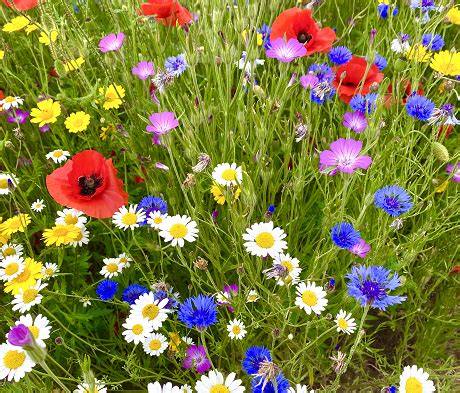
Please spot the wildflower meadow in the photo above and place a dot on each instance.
(228, 196)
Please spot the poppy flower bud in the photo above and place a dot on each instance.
(400, 65)
(440, 152)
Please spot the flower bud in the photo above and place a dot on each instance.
(440, 152)
(20, 336)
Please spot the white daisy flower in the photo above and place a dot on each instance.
(178, 228)
(414, 379)
(85, 388)
(236, 329)
(14, 362)
(11, 102)
(398, 46)
(86, 301)
(39, 328)
(25, 299)
(11, 267)
(9, 249)
(252, 296)
(187, 340)
(215, 382)
(83, 237)
(153, 310)
(186, 389)
(128, 218)
(155, 219)
(58, 156)
(49, 269)
(264, 239)
(7, 183)
(111, 267)
(124, 260)
(38, 205)
(136, 329)
(227, 174)
(155, 344)
(345, 323)
(70, 217)
(166, 388)
(300, 389)
(310, 298)
(222, 298)
(291, 266)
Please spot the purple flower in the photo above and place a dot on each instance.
(286, 51)
(309, 81)
(197, 358)
(162, 123)
(355, 121)
(143, 70)
(456, 176)
(229, 292)
(20, 336)
(111, 42)
(360, 249)
(344, 156)
(176, 65)
(17, 116)
(44, 128)
(161, 166)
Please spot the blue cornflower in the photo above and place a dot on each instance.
(152, 204)
(419, 107)
(425, 5)
(271, 209)
(392, 389)
(340, 55)
(433, 42)
(107, 289)
(261, 385)
(344, 235)
(382, 10)
(176, 65)
(322, 92)
(380, 62)
(170, 295)
(323, 72)
(198, 311)
(369, 285)
(393, 199)
(265, 31)
(132, 292)
(253, 357)
(365, 103)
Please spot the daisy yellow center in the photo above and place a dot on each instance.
(77, 122)
(35, 331)
(137, 329)
(236, 329)
(150, 311)
(219, 388)
(14, 359)
(58, 153)
(252, 297)
(47, 114)
(309, 298)
(9, 251)
(29, 295)
(79, 237)
(112, 267)
(265, 240)
(342, 323)
(10, 99)
(70, 220)
(61, 232)
(155, 345)
(157, 220)
(3, 183)
(413, 385)
(38, 205)
(288, 265)
(11, 269)
(178, 231)
(49, 271)
(123, 260)
(23, 277)
(95, 390)
(129, 219)
(229, 174)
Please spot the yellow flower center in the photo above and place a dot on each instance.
(70, 220)
(3, 183)
(47, 114)
(15, 223)
(110, 96)
(95, 390)
(150, 311)
(12, 268)
(137, 329)
(219, 388)
(9, 251)
(58, 232)
(123, 260)
(158, 220)
(57, 153)
(35, 331)
(29, 295)
(287, 265)
(49, 271)
(112, 267)
(14, 359)
(309, 298)
(79, 237)
(155, 345)
(229, 174)
(413, 385)
(77, 122)
(10, 99)
(178, 231)
(129, 219)
(23, 277)
(236, 329)
(265, 240)
(342, 323)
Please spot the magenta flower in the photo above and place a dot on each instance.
(344, 157)
(360, 249)
(197, 358)
(456, 176)
(161, 166)
(309, 81)
(17, 116)
(355, 121)
(162, 123)
(111, 42)
(20, 335)
(286, 51)
(143, 70)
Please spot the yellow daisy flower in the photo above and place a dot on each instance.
(244, 33)
(47, 112)
(15, 224)
(453, 16)
(32, 27)
(16, 24)
(107, 131)
(112, 96)
(418, 53)
(219, 197)
(446, 63)
(61, 234)
(77, 122)
(2, 54)
(32, 272)
(73, 65)
(48, 38)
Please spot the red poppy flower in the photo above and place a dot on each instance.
(21, 5)
(167, 12)
(357, 80)
(88, 183)
(297, 23)
(2, 96)
(388, 100)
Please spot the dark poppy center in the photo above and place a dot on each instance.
(89, 184)
(304, 37)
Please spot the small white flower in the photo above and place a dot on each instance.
(414, 379)
(7, 183)
(11, 267)
(300, 389)
(310, 298)
(264, 239)
(154, 311)
(227, 174)
(155, 219)
(136, 329)
(236, 329)
(58, 156)
(9, 249)
(398, 46)
(11, 102)
(38, 205)
(187, 340)
(155, 344)
(83, 237)
(166, 388)
(252, 296)
(14, 362)
(86, 301)
(85, 387)
(345, 323)
(291, 265)
(27, 298)
(128, 218)
(70, 217)
(216, 382)
(111, 267)
(49, 269)
(124, 260)
(178, 228)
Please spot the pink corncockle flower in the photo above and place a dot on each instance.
(197, 358)
(344, 157)
(360, 249)
(456, 170)
(143, 70)
(309, 81)
(111, 42)
(162, 123)
(286, 51)
(355, 121)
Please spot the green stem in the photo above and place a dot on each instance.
(54, 376)
(203, 342)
